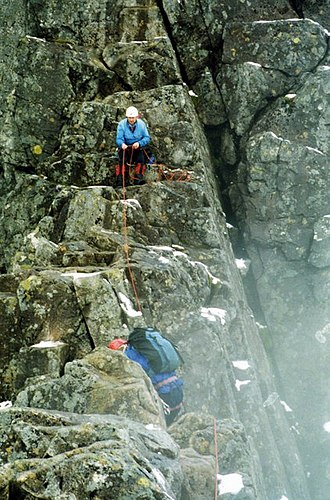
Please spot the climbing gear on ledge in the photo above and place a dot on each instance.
(139, 173)
(173, 174)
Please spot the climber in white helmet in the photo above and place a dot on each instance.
(132, 136)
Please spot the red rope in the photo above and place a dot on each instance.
(126, 247)
(216, 460)
(184, 176)
(125, 231)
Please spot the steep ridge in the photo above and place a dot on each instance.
(68, 76)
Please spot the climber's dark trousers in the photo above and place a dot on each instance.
(132, 156)
(174, 399)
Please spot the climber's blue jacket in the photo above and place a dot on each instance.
(163, 382)
(128, 135)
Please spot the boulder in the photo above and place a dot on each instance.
(103, 382)
(203, 439)
(51, 454)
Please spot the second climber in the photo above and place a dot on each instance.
(132, 136)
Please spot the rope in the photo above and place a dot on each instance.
(125, 234)
(146, 153)
(216, 459)
(168, 173)
(125, 230)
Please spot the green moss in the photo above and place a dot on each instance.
(144, 482)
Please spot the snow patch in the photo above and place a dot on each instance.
(326, 427)
(295, 429)
(286, 406)
(315, 150)
(230, 483)
(127, 306)
(99, 478)
(283, 497)
(272, 398)
(35, 38)
(5, 404)
(213, 313)
(178, 247)
(152, 427)
(320, 337)
(159, 477)
(192, 93)
(132, 203)
(78, 276)
(167, 249)
(178, 253)
(239, 383)
(213, 279)
(240, 264)
(256, 65)
(163, 260)
(47, 343)
(241, 365)
(134, 42)
(161, 481)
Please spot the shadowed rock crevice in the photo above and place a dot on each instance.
(227, 242)
(169, 31)
(298, 5)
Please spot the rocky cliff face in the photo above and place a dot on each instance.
(225, 248)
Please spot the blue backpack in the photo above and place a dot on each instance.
(162, 354)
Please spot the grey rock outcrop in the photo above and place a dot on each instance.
(103, 380)
(54, 455)
(203, 436)
(285, 179)
(276, 92)
(236, 98)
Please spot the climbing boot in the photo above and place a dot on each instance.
(138, 174)
(138, 180)
(119, 181)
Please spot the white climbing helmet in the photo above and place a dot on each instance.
(132, 112)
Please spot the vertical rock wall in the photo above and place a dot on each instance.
(195, 72)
